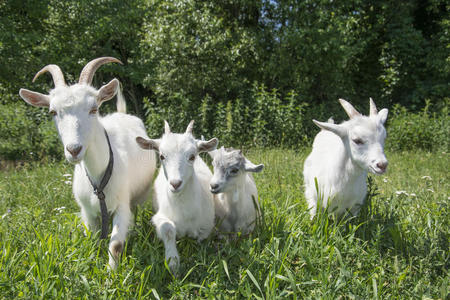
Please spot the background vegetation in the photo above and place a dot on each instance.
(251, 72)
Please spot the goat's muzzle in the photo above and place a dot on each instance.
(74, 149)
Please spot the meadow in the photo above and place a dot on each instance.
(397, 248)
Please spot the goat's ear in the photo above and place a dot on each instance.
(206, 146)
(148, 144)
(108, 91)
(34, 98)
(251, 167)
(335, 128)
(349, 109)
(382, 115)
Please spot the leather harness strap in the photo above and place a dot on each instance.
(98, 190)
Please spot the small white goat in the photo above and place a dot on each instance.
(342, 155)
(184, 205)
(235, 188)
(83, 134)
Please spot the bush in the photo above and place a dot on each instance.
(27, 134)
(422, 130)
(262, 119)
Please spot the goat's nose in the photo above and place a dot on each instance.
(382, 165)
(214, 186)
(176, 183)
(74, 149)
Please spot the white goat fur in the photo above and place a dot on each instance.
(236, 211)
(184, 205)
(340, 159)
(79, 125)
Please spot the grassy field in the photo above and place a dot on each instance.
(399, 247)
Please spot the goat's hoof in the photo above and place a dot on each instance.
(115, 249)
(174, 264)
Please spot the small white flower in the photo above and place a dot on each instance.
(385, 179)
(7, 213)
(398, 193)
(426, 177)
(68, 182)
(59, 209)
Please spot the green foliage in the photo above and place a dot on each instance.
(196, 48)
(263, 120)
(398, 249)
(27, 135)
(252, 72)
(423, 130)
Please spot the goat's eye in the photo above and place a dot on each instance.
(93, 111)
(162, 157)
(53, 113)
(192, 157)
(234, 171)
(358, 141)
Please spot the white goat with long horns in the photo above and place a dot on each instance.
(92, 142)
(341, 157)
(184, 205)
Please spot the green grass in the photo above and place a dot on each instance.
(399, 248)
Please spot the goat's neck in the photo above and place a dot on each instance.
(237, 192)
(96, 159)
(351, 170)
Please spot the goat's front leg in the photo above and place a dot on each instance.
(121, 223)
(167, 232)
(90, 220)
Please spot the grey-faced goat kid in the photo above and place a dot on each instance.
(236, 201)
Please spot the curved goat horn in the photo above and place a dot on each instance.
(89, 70)
(57, 75)
(349, 109)
(166, 127)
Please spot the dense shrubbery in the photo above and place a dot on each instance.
(251, 72)
(423, 130)
(270, 121)
(267, 120)
(27, 134)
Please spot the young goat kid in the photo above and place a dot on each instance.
(341, 157)
(89, 139)
(236, 202)
(184, 205)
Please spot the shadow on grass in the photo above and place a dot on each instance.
(378, 224)
(216, 259)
